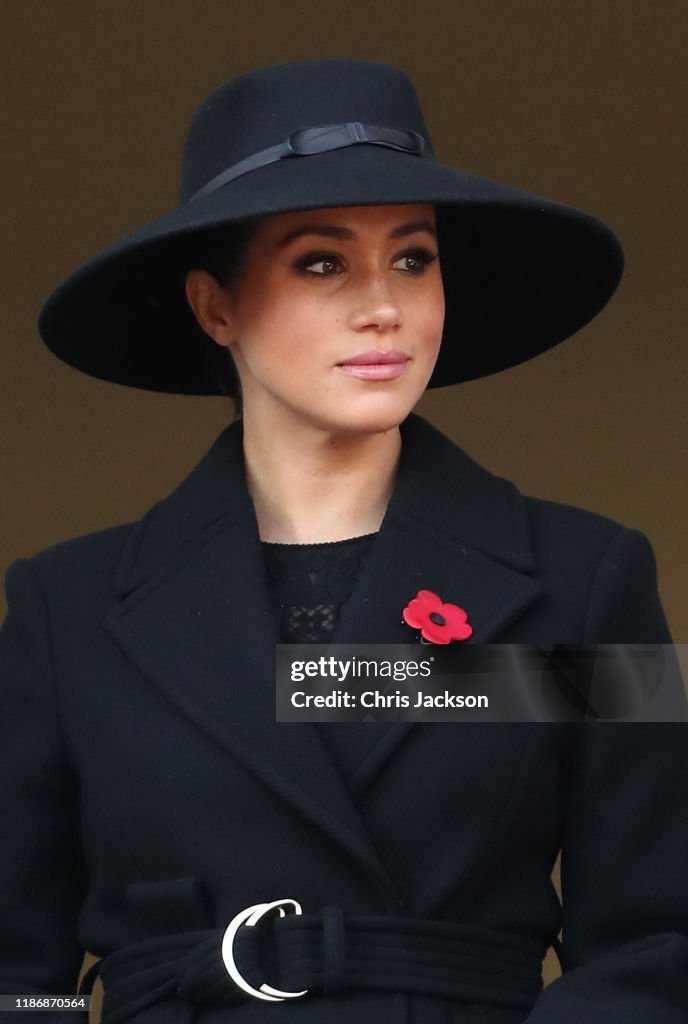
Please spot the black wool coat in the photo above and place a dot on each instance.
(148, 794)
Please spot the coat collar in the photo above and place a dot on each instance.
(194, 612)
(439, 487)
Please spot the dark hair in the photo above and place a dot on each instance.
(221, 251)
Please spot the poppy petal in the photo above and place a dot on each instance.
(436, 634)
(462, 632)
(430, 601)
(454, 615)
(414, 614)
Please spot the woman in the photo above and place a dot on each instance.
(325, 264)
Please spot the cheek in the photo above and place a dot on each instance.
(432, 315)
(281, 336)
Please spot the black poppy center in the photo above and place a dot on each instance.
(438, 619)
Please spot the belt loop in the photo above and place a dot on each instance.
(334, 950)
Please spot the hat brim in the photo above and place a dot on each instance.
(521, 272)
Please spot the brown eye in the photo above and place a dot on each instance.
(415, 262)
(324, 265)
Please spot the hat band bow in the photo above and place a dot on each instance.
(320, 139)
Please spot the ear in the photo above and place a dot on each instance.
(211, 305)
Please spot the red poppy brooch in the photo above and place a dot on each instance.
(439, 623)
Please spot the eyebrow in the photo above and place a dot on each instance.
(346, 233)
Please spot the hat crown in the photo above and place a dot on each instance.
(262, 107)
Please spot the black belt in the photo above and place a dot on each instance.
(326, 953)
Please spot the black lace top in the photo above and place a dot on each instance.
(308, 585)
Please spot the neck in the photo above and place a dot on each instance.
(311, 486)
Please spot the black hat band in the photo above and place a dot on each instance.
(320, 139)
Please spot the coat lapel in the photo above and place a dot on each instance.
(194, 613)
(453, 528)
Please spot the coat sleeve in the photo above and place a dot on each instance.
(625, 839)
(42, 872)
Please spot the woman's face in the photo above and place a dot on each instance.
(337, 318)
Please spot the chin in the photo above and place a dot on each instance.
(372, 417)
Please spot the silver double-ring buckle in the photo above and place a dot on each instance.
(250, 916)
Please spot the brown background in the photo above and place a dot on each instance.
(579, 100)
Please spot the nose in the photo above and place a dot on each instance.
(376, 308)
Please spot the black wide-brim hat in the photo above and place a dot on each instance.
(521, 273)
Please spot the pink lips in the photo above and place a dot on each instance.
(375, 365)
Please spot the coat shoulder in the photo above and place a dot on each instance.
(82, 564)
(577, 543)
(104, 544)
(486, 504)
(609, 568)
(563, 522)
